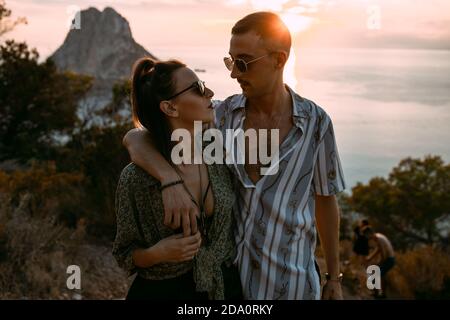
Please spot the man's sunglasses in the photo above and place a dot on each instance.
(240, 64)
(199, 85)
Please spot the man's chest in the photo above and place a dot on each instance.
(268, 136)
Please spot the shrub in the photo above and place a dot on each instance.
(52, 194)
(421, 273)
(37, 251)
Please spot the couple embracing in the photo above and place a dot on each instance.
(202, 230)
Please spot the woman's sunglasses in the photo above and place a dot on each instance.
(240, 64)
(199, 85)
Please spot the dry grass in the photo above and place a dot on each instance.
(36, 248)
(36, 254)
(422, 273)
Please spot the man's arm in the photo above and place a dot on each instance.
(373, 254)
(327, 218)
(179, 210)
(142, 150)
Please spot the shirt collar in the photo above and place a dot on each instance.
(301, 110)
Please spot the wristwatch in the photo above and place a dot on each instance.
(339, 278)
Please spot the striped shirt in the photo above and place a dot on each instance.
(275, 232)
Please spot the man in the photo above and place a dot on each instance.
(276, 214)
(382, 255)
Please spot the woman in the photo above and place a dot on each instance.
(360, 242)
(167, 96)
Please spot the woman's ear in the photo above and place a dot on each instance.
(168, 109)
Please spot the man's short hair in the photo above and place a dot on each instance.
(269, 26)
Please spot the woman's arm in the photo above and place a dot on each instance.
(128, 237)
(175, 248)
(129, 247)
(143, 152)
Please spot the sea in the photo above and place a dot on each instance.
(386, 104)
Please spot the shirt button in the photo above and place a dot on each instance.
(332, 175)
(255, 264)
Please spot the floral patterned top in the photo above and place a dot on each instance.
(139, 210)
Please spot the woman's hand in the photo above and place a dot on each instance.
(177, 248)
(179, 210)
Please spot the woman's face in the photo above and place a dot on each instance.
(191, 105)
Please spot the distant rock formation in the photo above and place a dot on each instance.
(103, 47)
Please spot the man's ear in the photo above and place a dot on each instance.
(281, 58)
(168, 108)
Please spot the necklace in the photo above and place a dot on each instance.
(201, 206)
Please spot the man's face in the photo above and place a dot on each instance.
(260, 74)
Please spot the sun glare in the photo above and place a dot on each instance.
(292, 16)
(296, 24)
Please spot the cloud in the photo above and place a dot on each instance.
(404, 23)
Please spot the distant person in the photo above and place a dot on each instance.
(383, 252)
(361, 248)
(360, 241)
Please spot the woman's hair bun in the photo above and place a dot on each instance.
(148, 64)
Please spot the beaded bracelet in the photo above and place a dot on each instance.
(170, 184)
(339, 278)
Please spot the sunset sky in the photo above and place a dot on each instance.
(315, 23)
(378, 99)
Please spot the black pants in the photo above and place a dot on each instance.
(232, 283)
(386, 265)
(182, 287)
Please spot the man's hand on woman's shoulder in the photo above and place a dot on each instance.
(179, 210)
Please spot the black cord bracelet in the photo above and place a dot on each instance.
(170, 184)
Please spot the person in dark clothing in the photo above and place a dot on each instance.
(360, 242)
